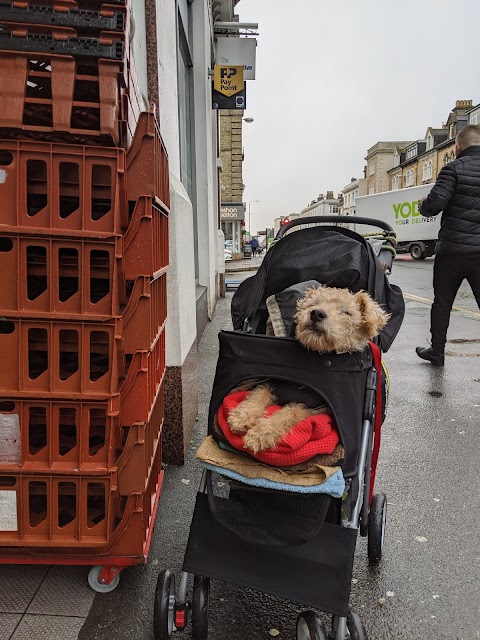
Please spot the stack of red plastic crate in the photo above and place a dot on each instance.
(84, 200)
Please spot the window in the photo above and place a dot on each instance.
(395, 183)
(445, 159)
(354, 194)
(396, 159)
(186, 113)
(371, 168)
(371, 188)
(411, 152)
(474, 118)
(409, 178)
(185, 107)
(334, 208)
(429, 142)
(427, 171)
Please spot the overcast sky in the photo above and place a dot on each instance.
(336, 76)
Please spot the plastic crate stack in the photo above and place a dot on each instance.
(84, 202)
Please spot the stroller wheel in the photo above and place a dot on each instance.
(310, 627)
(377, 521)
(355, 627)
(164, 608)
(200, 596)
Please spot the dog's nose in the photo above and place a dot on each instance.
(317, 314)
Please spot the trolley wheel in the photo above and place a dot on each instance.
(310, 627)
(99, 586)
(164, 608)
(355, 627)
(377, 522)
(200, 596)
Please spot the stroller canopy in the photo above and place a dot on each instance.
(334, 256)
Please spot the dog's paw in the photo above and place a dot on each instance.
(236, 421)
(246, 414)
(260, 438)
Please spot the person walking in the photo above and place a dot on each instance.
(254, 245)
(457, 193)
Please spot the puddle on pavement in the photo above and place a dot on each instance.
(435, 394)
(464, 341)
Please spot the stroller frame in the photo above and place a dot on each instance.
(170, 610)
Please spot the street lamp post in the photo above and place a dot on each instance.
(250, 218)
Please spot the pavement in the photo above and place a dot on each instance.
(246, 264)
(427, 585)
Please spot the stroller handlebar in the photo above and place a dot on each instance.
(316, 219)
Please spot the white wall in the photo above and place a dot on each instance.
(205, 153)
(181, 320)
(168, 90)
(139, 45)
(181, 323)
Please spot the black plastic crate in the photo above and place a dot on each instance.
(87, 47)
(85, 19)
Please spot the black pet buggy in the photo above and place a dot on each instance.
(296, 546)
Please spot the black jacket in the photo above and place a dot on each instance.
(457, 193)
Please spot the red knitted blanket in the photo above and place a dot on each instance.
(308, 438)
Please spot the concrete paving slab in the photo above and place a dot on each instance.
(48, 628)
(65, 591)
(19, 585)
(8, 624)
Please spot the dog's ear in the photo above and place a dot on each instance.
(373, 316)
(309, 293)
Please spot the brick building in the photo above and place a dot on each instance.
(421, 161)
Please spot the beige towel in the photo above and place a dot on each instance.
(211, 453)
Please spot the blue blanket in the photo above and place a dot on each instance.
(334, 486)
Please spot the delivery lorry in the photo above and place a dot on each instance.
(416, 234)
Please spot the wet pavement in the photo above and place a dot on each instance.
(426, 587)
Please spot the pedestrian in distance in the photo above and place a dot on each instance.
(254, 245)
(457, 254)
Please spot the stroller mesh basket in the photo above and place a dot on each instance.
(265, 516)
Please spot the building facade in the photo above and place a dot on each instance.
(421, 161)
(175, 48)
(379, 160)
(324, 205)
(357, 187)
(231, 185)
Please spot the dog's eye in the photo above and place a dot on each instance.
(347, 313)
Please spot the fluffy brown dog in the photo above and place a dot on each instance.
(262, 432)
(336, 320)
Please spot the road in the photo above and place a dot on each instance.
(427, 586)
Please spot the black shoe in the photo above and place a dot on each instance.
(438, 359)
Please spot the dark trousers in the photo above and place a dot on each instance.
(449, 272)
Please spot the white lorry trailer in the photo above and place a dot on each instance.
(415, 234)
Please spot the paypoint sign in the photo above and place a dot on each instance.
(228, 80)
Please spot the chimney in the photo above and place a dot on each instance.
(329, 195)
(352, 179)
(464, 104)
(320, 197)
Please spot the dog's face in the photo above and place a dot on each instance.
(336, 320)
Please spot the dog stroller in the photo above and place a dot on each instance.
(292, 545)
